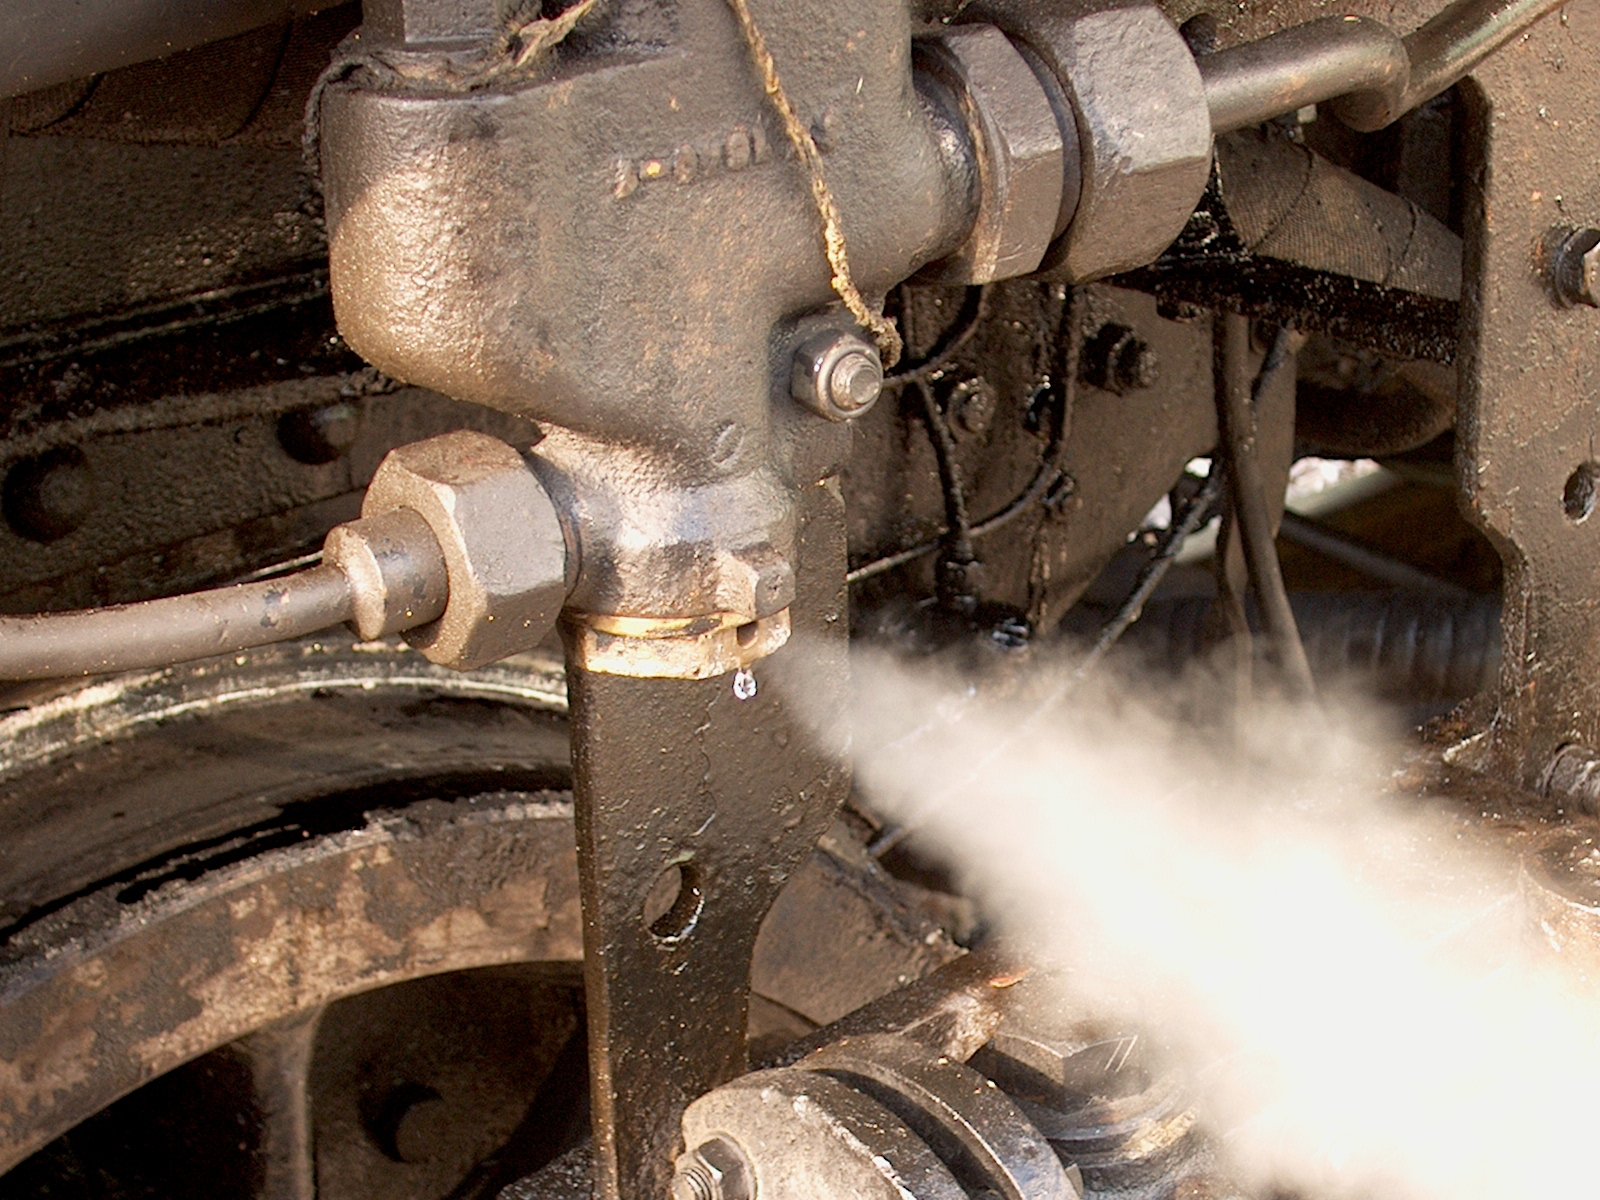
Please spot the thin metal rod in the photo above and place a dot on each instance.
(1190, 518)
(1375, 75)
(157, 633)
(1236, 412)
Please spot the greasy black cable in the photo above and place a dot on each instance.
(956, 543)
(1199, 509)
(1064, 386)
(1236, 413)
(974, 305)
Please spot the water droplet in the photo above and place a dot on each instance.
(744, 684)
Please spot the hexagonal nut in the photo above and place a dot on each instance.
(754, 582)
(1021, 152)
(1144, 129)
(838, 376)
(714, 1170)
(504, 549)
(1056, 1057)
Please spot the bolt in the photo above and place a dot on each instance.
(1119, 361)
(1012, 632)
(50, 495)
(838, 376)
(1577, 268)
(714, 1170)
(315, 436)
(693, 1182)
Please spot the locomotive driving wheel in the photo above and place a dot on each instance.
(306, 922)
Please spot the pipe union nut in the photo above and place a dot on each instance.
(504, 550)
(1021, 153)
(1144, 129)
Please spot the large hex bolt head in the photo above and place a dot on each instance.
(838, 376)
(1021, 152)
(1144, 128)
(504, 550)
(1577, 268)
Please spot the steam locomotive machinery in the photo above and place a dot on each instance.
(769, 321)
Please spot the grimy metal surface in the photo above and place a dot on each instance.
(383, 811)
(520, 262)
(409, 895)
(501, 240)
(721, 796)
(48, 45)
(1528, 424)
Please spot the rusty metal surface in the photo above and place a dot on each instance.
(192, 929)
(1530, 368)
(428, 891)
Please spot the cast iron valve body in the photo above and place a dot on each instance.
(617, 240)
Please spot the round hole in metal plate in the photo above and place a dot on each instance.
(673, 906)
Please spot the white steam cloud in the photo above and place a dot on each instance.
(1345, 973)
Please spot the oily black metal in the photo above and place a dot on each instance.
(695, 801)
(1057, 471)
(1288, 237)
(183, 445)
(1529, 365)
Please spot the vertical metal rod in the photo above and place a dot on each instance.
(693, 806)
(279, 1059)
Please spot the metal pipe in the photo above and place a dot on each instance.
(48, 42)
(1308, 64)
(156, 633)
(1442, 53)
(1375, 75)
